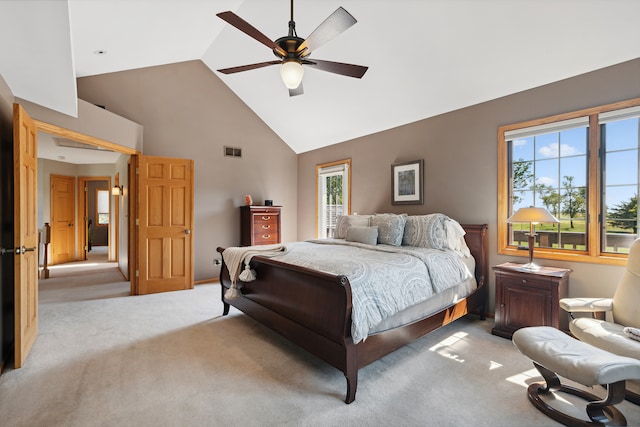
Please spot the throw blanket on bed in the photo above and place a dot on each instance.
(384, 279)
(235, 256)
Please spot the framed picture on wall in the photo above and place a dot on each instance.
(407, 183)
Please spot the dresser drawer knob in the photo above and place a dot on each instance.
(524, 281)
(266, 236)
(266, 218)
(266, 227)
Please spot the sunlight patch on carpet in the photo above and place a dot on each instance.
(444, 348)
(524, 378)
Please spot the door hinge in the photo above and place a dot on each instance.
(137, 170)
(86, 248)
(137, 221)
(137, 273)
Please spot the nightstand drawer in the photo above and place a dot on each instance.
(515, 279)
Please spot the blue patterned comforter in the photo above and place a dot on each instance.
(384, 279)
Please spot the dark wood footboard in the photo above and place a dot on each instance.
(313, 310)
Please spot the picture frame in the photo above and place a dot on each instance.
(407, 181)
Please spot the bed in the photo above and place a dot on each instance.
(314, 309)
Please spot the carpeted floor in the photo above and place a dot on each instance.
(104, 358)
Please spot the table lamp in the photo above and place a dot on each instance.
(532, 216)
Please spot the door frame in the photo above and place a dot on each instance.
(91, 140)
(83, 212)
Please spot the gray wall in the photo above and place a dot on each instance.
(188, 112)
(460, 154)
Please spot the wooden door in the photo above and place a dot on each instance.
(165, 224)
(26, 233)
(116, 221)
(63, 225)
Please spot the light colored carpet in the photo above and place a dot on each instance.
(104, 358)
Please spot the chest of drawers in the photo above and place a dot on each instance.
(259, 225)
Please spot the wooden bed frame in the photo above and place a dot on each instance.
(313, 309)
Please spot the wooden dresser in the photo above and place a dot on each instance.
(259, 225)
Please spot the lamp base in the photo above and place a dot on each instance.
(531, 266)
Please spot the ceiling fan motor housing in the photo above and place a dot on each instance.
(290, 45)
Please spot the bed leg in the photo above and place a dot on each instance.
(225, 305)
(352, 385)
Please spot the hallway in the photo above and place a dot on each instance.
(95, 278)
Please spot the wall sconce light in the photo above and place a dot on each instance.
(117, 190)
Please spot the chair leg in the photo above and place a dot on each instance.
(600, 411)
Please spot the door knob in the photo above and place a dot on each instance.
(187, 231)
(17, 251)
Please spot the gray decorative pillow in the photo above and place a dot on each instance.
(390, 228)
(426, 231)
(367, 235)
(343, 222)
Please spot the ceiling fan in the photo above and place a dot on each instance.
(294, 51)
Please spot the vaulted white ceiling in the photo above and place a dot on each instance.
(425, 57)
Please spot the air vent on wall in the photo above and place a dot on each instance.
(232, 152)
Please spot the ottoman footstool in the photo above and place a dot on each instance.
(555, 353)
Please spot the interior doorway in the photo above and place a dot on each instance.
(103, 162)
(94, 209)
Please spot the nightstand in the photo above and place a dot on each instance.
(529, 298)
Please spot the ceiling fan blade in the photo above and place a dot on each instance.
(335, 24)
(297, 91)
(248, 67)
(349, 70)
(250, 30)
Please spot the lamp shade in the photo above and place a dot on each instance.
(291, 72)
(532, 215)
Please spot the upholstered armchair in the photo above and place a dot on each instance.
(610, 334)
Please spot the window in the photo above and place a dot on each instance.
(333, 195)
(102, 206)
(582, 167)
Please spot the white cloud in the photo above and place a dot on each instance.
(553, 150)
(545, 180)
(519, 142)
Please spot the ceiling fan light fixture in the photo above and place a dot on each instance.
(291, 72)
